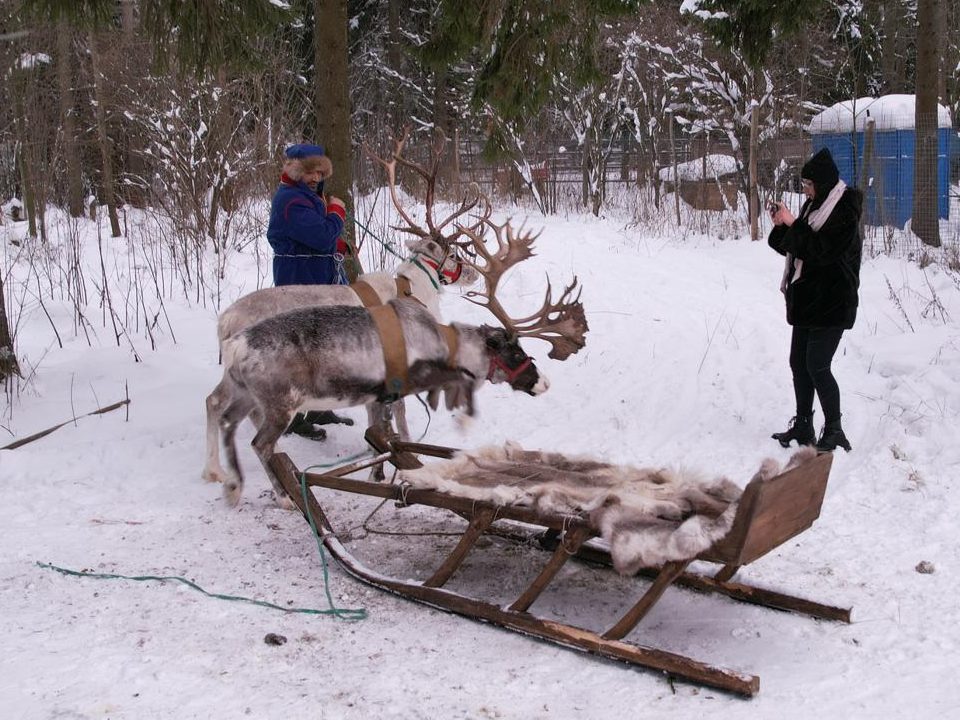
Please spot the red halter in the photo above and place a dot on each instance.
(496, 362)
(445, 276)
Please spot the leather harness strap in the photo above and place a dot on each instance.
(405, 290)
(368, 296)
(394, 349)
(450, 335)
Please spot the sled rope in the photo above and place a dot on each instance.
(218, 596)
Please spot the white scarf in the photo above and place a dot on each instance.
(815, 220)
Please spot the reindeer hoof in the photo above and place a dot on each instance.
(285, 503)
(232, 490)
(212, 476)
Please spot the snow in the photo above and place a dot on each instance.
(686, 362)
(717, 166)
(890, 112)
(31, 60)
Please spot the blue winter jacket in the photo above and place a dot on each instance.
(304, 234)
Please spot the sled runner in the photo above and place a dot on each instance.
(770, 511)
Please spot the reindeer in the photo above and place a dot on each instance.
(324, 358)
(434, 261)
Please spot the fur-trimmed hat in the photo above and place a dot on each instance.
(306, 157)
(822, 170)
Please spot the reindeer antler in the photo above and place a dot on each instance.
(434, 230)
(562, 323)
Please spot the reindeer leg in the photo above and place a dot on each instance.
(212, 470)
(399, 409)
(264, 443)
(379, 416)
(229, 420)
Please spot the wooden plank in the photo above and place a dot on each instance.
(383, 441)
(766, 598)
(412, 496)
(358, 465)
(422, 449)
(773, 511)
(668, 573)
(785, 506)
(478, 523)
(726, 572)
(566, 549)
(737, 591)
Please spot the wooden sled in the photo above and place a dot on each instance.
(770, 513)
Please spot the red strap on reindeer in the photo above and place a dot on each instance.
(496, 362)
(445, 276)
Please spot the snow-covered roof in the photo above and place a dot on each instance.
(717, 166)
(890, 112)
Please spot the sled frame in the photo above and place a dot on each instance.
(770, 513)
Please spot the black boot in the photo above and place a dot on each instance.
(327, 417)
(300, 426)
(832, 437)
(800, 429)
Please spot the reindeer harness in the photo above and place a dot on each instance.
(368, 296)
(395, 350)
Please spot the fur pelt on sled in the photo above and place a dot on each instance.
(648, 516)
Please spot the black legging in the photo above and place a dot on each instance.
(811, 352)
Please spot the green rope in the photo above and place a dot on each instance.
(163, 578)
(333, 610)
(345, 614)
(387, 246)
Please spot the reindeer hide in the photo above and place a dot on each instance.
(648, 516)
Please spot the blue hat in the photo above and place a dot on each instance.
(303, 150)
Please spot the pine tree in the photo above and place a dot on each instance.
(520, 47)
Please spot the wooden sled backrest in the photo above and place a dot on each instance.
(773, 511)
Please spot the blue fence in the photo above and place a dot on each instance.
(888, 191)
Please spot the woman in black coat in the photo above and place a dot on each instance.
(820, 282)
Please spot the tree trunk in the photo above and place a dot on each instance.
(71, 152)
(394, 62)
(754, 151)
(109, 189)
(625, 155)
(676, 175)
(891, 57)
(134, 72)
(943, 49)
(441, 121)
(332, 98)
(8, 360)
(27, 186)
(926, 224)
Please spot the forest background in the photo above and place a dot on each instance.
(181, 110)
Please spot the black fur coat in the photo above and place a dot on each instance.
(826, 293)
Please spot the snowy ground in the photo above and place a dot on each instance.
(686, 362)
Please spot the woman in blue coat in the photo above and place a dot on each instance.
(305, 228)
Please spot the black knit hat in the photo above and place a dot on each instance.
(822, 170)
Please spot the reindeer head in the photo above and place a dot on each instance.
(561, 323)
(510, 364)
(447, 262)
